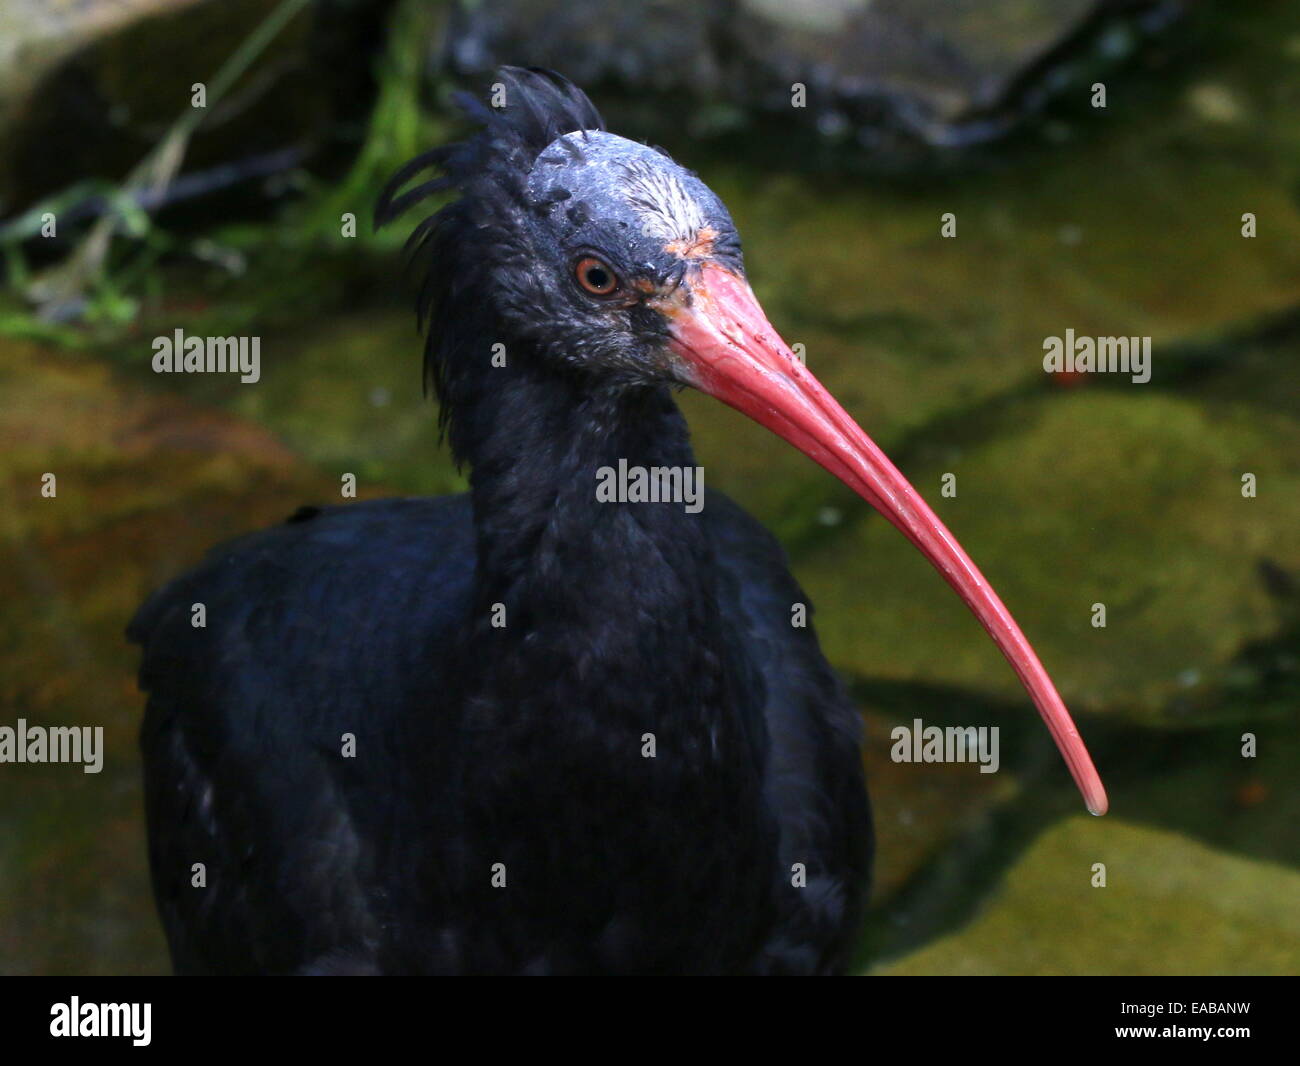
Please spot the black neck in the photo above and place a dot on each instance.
(535, 464)
(617, 602)
(606, 588)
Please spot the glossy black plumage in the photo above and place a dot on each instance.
(520, 745)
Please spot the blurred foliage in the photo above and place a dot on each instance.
(119, 259)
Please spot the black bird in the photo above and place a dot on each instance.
(533, 729)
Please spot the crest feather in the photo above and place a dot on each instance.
(456, 244)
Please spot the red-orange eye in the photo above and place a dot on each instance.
(595, 276)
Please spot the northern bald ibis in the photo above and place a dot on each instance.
(537, 729)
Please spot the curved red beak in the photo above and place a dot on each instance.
(730, 351)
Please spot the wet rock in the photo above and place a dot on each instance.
(881, 72)
(1170, 906)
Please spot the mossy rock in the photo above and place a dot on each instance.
(1170, 906)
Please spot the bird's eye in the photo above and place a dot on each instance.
(596, 276)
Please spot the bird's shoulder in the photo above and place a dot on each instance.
(278, 719)
(324, 571)
(337, 620)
